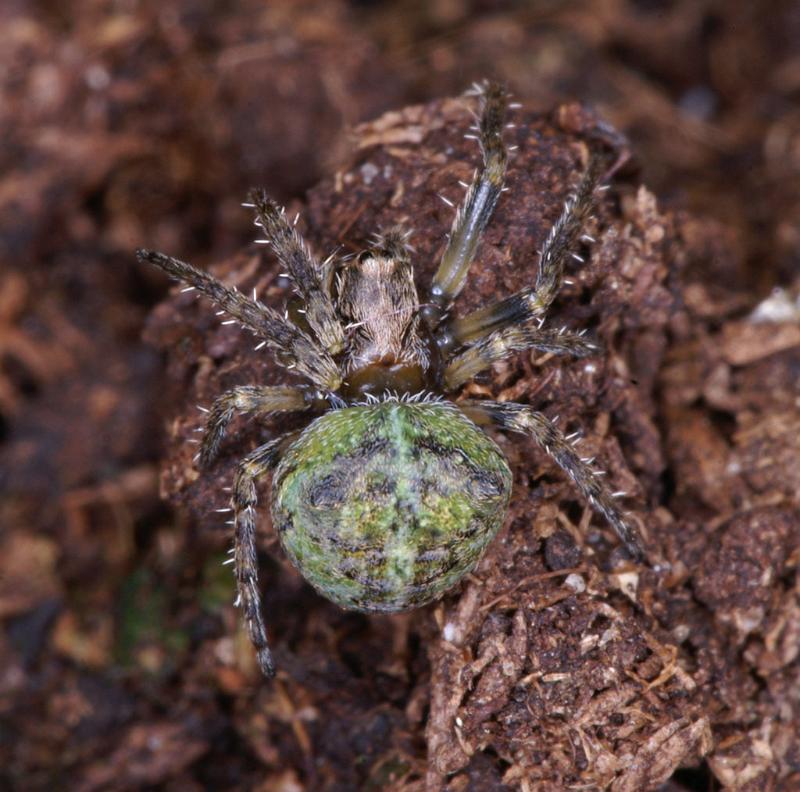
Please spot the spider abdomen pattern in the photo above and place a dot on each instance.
(383, 507)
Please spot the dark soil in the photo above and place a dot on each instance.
(558, 664)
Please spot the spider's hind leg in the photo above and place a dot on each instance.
(243, 501)
(524, 419)
(247, 399)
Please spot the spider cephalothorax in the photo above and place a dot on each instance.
(391, 492)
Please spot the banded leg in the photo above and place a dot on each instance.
(243, 501)
(246, 399)
(474, 213)
(501, 343)
(531, 303)
(310, 277)
(297, 350)
(524, 419)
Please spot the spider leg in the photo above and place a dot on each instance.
(246, 399)
(474, 213)
(524, 419)
(311, 278)
(514, 338)
(531, 303)
(296, 349)
(260, 461)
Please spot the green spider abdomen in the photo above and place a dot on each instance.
(383, 507)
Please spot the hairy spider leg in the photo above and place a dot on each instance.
(296, 350)
(256, 464)
(311, 278)
(253, 399)
(531, 303)
(474, 213)
(525, 420)
(497, 345)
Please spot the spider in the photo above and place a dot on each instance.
(392, 491)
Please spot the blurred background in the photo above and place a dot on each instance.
(144, 123)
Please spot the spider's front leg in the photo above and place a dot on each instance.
(311, 277)
(251, 468)
(524, 419)
(475, 212)
(252, 399)
(515, 338)
(530, 304)
(296, 350)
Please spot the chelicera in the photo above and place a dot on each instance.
(392, 491)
